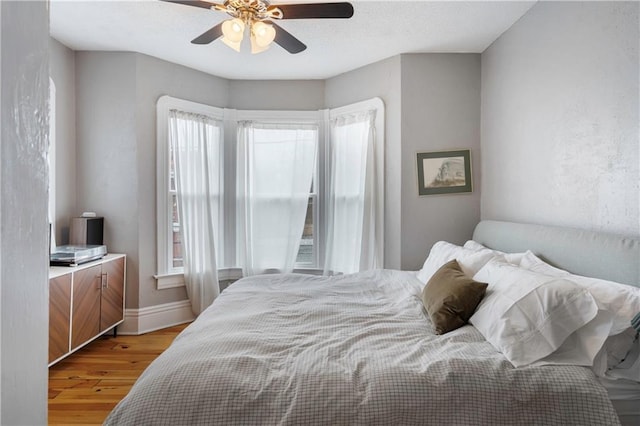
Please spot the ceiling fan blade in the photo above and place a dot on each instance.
(315, 10)
(209, 35)
(195, 3)
(286, 40)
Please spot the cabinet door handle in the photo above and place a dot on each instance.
(105, 280)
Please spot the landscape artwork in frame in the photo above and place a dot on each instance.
(444, 172)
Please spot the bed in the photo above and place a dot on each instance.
(606, 256)
(360, 349)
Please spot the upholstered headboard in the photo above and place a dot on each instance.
(593, 254)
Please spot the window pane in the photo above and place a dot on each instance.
(172, 169)
(174, 209)
(278, 163)
(176, 243)
(177, 249)
(305, 252)
(175, 234)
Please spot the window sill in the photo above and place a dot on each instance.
(169, 281)
(310, 271)
(165, 281)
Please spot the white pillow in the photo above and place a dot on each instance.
(470, 261)
(533, 263)
(620, 299)
(509, 257)
(527, 316)
(474, 245)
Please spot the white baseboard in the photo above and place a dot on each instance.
(144, 320)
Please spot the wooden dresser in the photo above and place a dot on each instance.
(84, 302)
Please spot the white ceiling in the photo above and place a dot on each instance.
(378, 30)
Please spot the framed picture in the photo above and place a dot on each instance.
(444, 172)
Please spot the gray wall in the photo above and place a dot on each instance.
(24, 131)
(440, 112)
(107, 178)
(560, 118)
(276, 94)
(62, 69)
(381, 79)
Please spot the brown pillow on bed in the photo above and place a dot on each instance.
(451, 297)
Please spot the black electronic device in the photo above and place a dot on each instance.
(86, 231)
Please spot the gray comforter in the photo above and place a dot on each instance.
(348, 350)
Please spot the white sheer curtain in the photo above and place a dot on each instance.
(196, 142)
(351, 232)
(276, 164)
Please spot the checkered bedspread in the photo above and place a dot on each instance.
(347, 350)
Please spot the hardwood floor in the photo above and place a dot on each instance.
(85, 386)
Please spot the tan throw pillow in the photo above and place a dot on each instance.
(451, 297)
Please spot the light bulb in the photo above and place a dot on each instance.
(237, 28)
(261, 36)
(233, 31)
(261, 30)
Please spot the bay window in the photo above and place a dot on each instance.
(287, 190)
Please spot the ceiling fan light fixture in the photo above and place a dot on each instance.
(262, 35)
(259, 15)
(233, 32)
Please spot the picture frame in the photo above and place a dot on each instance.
(444, 172)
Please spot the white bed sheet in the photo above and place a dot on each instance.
(347, 350)
(620, 390)
(628, 411)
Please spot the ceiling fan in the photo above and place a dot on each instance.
(258, 16)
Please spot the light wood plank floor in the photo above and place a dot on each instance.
(85, 386)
